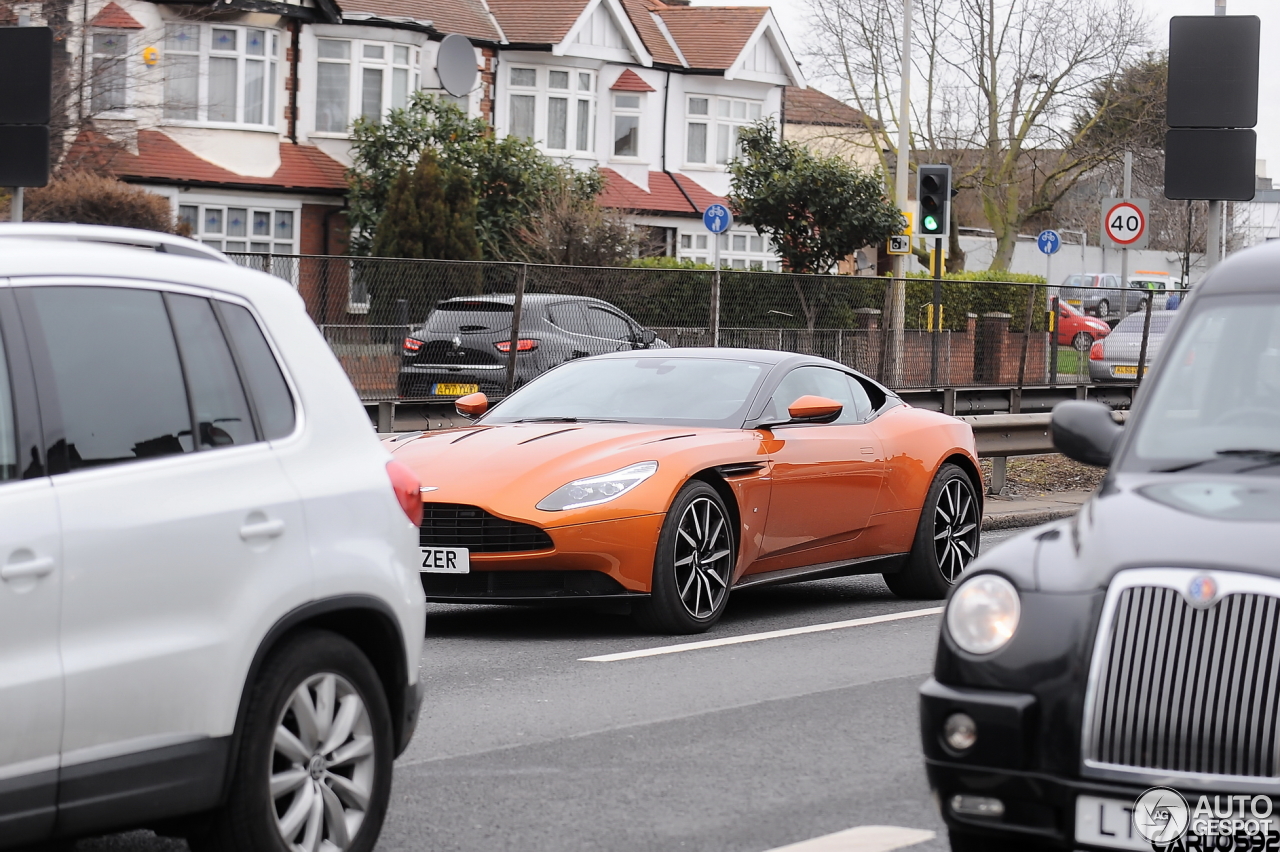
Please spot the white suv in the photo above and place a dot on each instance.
(210, 610)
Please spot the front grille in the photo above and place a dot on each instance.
(1184, 689)
(456, 525)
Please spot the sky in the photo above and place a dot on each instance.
(792, 15)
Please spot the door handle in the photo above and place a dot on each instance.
(262, 529)
(27, 569)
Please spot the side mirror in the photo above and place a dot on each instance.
(1085, 431)
(814, 409)
(472, 405)
(645, 337)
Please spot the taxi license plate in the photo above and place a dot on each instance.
(1125, 370)
(1108, 823)
(450, 389)
(445, 560)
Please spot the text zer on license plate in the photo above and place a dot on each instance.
(446, 560)
(450, 389)
(1125, 370)
(1109, 823)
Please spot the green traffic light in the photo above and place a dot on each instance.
(931, 223)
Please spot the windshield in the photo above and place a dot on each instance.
(1217, 401)
(1133, 323)
(468, 317)
(677, 391)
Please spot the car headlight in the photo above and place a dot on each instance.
(983, 614)
(595, 490)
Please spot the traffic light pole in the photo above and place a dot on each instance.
(897, 300)
(936, 314)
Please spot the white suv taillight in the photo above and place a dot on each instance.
(408, 490)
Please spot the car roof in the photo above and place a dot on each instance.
(529, 299)
(1254, 270)
(771, 357)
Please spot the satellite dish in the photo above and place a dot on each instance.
(456, 65)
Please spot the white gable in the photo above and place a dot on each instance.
(763, 58)
(599, 30)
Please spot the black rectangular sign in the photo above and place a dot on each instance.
(26, 75)
(1213, 71)
(1210, 165)
(24, 155)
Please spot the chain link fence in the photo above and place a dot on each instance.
(431, 329)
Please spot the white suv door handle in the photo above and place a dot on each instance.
(30, 568)
(262, 529)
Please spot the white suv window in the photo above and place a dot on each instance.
(262, 374)
(217, 397)
(8, 432)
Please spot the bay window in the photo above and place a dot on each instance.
(553, 106)
(626, 125)
(361, 79)
(108, 90)
(713, 125)
(222, 74)
(240, 229)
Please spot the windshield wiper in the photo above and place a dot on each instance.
(1267, 457)
(568, 420)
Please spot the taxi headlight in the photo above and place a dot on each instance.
(595, 490)
(983, 614)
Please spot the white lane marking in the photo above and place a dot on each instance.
(759, 637)
(865, 838)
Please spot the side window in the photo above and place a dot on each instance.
(607, 324)
(116, 376)
(815, 381)
(861, 400)
(568, 316)
(267, 387)
(221, 410)
(8, 429)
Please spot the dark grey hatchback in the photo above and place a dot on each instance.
(464, 345)
(1113, 681)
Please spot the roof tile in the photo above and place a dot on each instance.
(467, 17)
(640, 13)
(810, 106)
(712, 37)
(536, 21)
(114, 17)
(663, 196)
(630, 81)
(161, 158)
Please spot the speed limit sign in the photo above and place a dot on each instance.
(1124, 222)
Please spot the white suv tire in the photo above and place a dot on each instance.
(315, 759)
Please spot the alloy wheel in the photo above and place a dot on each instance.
(955, 528)
(322, 765)
(1081, 342)
(703, 557)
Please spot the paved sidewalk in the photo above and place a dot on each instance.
(1006, 513)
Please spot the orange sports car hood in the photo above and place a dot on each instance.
(508, 468)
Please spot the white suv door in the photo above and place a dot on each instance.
(30, 580)
(183, 539)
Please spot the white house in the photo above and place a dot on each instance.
(239, 113)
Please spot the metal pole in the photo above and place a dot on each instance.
(15, 206)
(715, 292)
(1146, 334)
(936, 318)
(897, 303)
(1124, 252)
(1026, 341)
(1053, 343)
(1220, 7)
(1213, 235)
(516, 307)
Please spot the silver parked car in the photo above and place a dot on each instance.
(1116, 355)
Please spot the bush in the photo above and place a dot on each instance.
(978, 292)
(90, 199)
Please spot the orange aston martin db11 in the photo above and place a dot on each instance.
(666, 478)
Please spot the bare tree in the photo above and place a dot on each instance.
(996, 88)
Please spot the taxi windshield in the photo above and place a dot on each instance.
(1217, 397)
(677, 391)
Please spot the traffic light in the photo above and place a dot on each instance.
(934, 194)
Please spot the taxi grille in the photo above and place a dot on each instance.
(1184, 689)
(458, 525)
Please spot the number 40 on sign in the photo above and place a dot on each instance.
(1124, 222)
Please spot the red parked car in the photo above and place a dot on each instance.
(1077, 330)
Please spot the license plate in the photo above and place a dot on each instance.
(1125, 370)
(1108, 823)
(1075, 302)
(445, 560)
(450, 389)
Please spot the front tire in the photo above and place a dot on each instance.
(693, 565)
(947, 538)
(313, 770)
(1082, 341)
(1104, 309)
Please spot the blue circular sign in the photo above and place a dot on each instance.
(1049, 241)
(717, 218)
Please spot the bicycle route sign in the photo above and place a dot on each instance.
(717, 218)
(1049, 241)
(1124, 222)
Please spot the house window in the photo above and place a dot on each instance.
(361, 79)
(626, 125)
(713, 125)
(738, 250)
(109, 81)
(564, 96)
(220, 74)
(241, 229)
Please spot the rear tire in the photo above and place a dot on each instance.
(947, 538)
(693, 565)
(1082, 341)
(1104, 309)
(318, 731)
